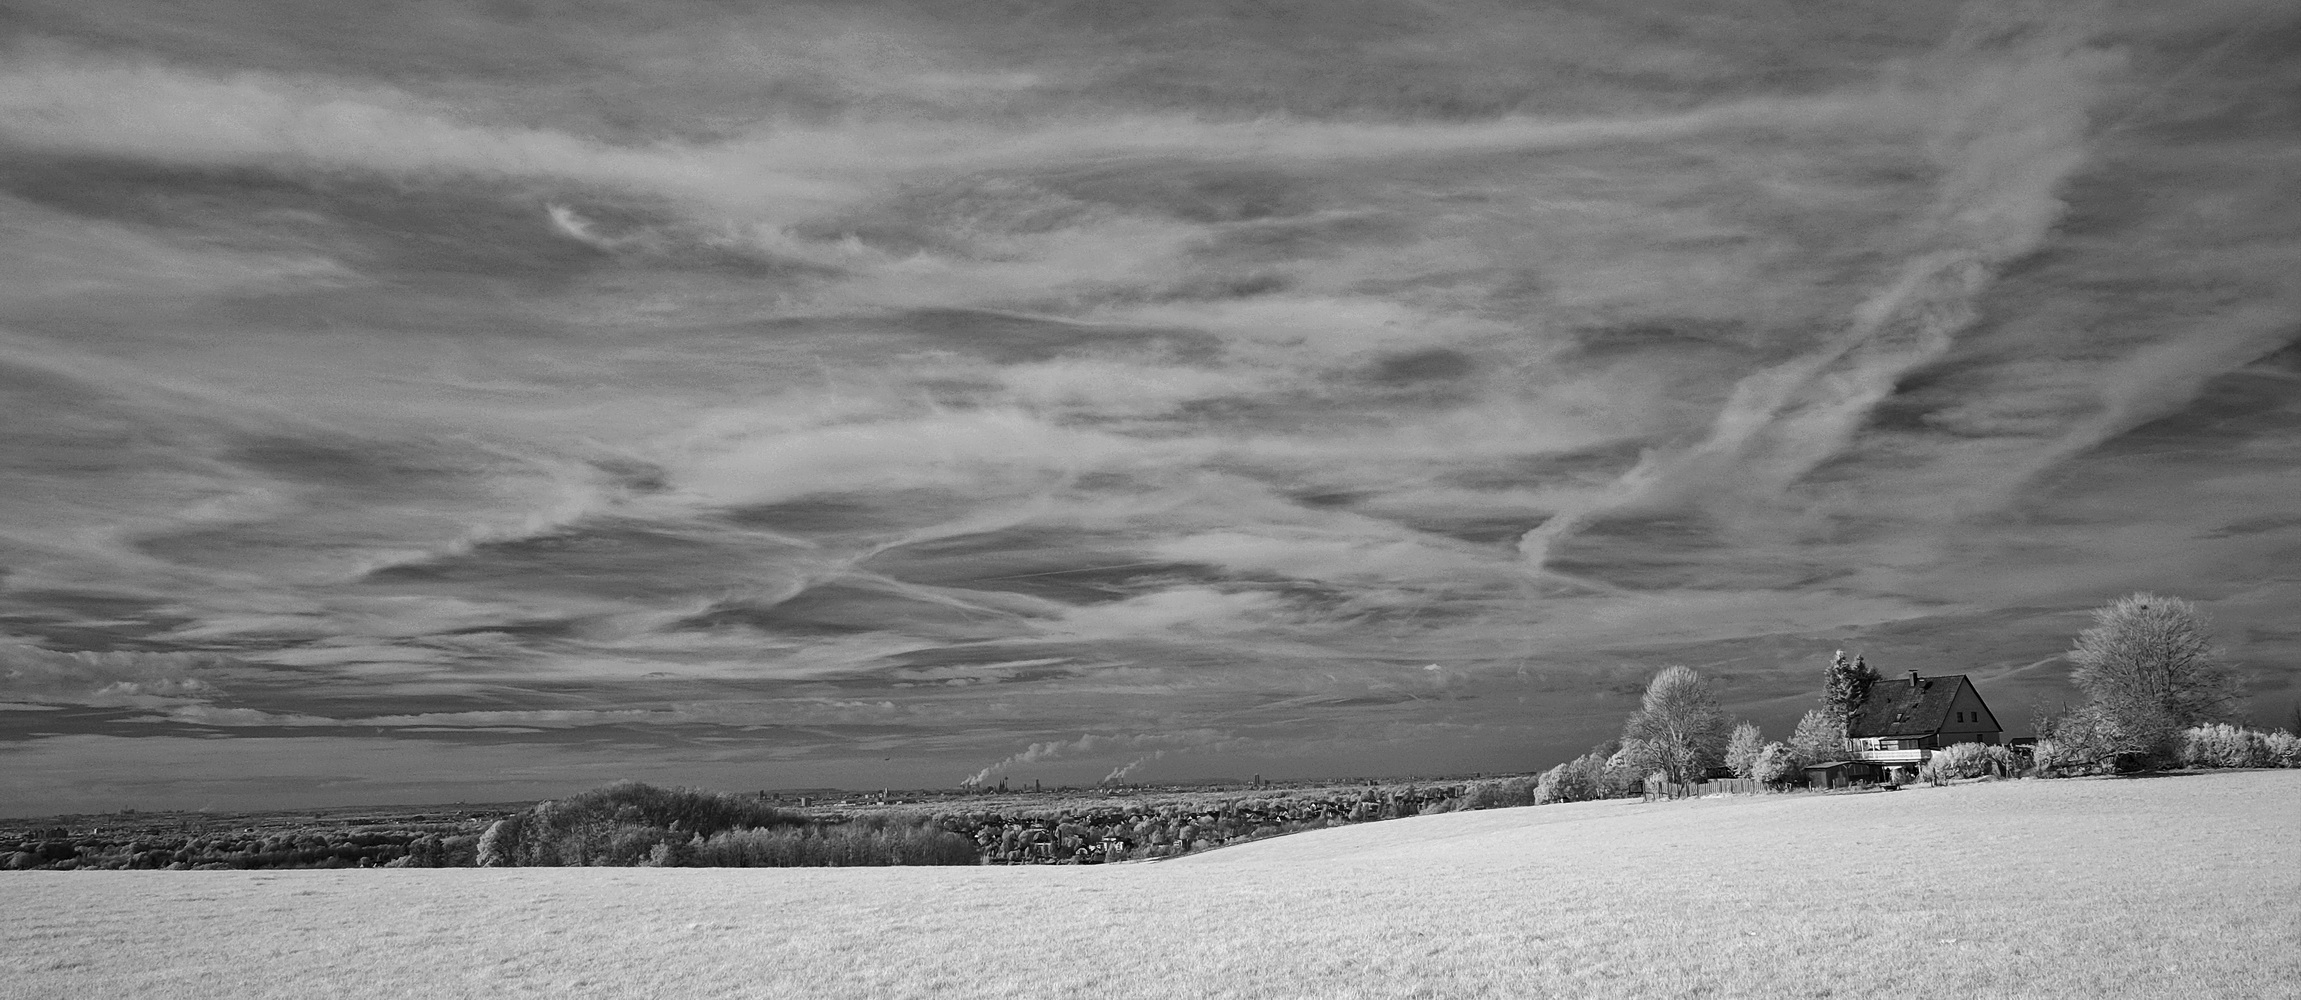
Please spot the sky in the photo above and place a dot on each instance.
(475, 401)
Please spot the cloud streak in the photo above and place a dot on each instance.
(2009, 138)
(840, 394)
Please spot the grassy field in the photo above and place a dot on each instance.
(2185, 886)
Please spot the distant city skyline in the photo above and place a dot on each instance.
(483, 401)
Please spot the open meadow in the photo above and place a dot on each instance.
(2181, 886)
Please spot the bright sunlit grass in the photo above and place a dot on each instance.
(2171, 887)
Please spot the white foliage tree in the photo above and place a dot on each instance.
(1820, 738)
(1742, 750)
(2149, 670)
(1679, 730)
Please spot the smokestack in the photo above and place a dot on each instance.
(1913, 678)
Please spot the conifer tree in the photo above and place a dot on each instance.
(1845, 685)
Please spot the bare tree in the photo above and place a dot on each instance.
(1678, 729)
(2149, 670)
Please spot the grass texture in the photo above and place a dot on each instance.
(2185, 886)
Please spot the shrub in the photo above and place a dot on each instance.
(1967, 760)
(2052, 758)
(2223, 745)
(2091, 740)
(1579, 780)
(1776, 764)
(1618, 774)
(1928, 772)
(2283, 749)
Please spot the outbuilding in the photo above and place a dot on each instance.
(1838, 774)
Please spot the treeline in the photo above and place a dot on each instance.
(892, 841)
(56, 850)
(1095, 831)
(630, 823)
(637, 824)
(634, 824)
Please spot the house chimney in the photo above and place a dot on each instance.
(1913, 678)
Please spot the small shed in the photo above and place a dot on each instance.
(1839, 774)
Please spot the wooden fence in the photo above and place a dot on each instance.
(1657, 790)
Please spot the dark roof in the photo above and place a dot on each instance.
(1895, 707)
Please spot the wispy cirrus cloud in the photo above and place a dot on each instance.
(2007, 141)
(59, 100)
(853, 390)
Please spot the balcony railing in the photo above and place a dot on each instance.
(1892, 756)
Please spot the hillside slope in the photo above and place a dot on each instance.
(2181, 886)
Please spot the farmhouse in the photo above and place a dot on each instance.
(1900, 723)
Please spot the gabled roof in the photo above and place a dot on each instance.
(1896, 707)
